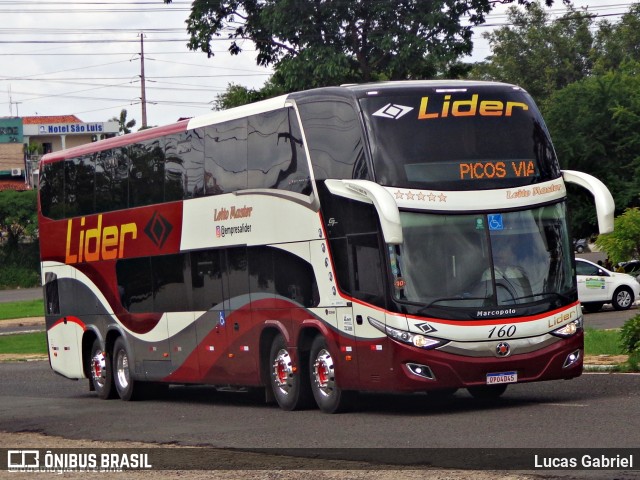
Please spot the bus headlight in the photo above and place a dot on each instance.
(414, 339)
(569, 330)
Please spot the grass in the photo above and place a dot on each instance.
(602, 342)
(28, 343)
(30, 308)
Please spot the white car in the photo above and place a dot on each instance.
(597, 286)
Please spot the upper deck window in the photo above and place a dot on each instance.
(457, 139)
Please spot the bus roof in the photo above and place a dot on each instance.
(350, 91)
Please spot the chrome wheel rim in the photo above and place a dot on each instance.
(282, 371)
(99, 369)
(324, 373)
(122, 369)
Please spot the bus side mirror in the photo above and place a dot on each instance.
(603, 199)
(384, 203)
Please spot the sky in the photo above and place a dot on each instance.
(83, 58)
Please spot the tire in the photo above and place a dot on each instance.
(126, 386)
(622, 298)
(592, 307)
(487, 392)
(101, 372)
(290, 386)
(443, 393)
(329, 397)
(579, 249)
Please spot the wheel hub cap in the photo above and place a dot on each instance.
(323, 373)
(283, 371)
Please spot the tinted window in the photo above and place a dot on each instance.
(175, 174)
(368, 282)
(225, 166)
(206, 278)
(237, 273)
(294, 278)
(276, 156)
(334, 135)
(171, 291)
(261, 274)
(135, 284)
(52, 190)
(468, 138)
(112, 180)
(146, 178)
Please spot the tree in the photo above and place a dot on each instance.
(18, 217)
(618, 42)
(624, 242)
(236, 95)
(125, 126)
(315, 43)
(595, 124)
(538, 54)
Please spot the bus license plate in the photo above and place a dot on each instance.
(502, 377)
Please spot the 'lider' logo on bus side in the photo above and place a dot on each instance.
(92, 244)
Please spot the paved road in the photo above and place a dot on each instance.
(20, 294)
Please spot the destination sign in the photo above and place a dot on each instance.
(472, 170)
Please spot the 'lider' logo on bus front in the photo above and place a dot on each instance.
(92, 244)
(470, 108)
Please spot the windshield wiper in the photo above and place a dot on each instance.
(450, 299)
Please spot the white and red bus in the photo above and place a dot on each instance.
(401, 237)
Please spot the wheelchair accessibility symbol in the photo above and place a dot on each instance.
(495, 221)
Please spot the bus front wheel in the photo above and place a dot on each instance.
(329, 397)
(487, 392)
(290, 384)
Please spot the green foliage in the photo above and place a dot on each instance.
(125, 125)
(537, 53)
(237, 95)
(595, 124)
(24, 343)
(624, 242)
(630, 336)
(25, 309)
(18, 216)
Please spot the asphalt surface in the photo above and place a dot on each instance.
(20, 295)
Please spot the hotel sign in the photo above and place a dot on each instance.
(70, 128)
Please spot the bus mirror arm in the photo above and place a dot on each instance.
(384, 203)
(605, 205)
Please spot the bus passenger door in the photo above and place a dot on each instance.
(368, 288)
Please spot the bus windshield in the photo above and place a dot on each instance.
(459, 139)
(482, 260)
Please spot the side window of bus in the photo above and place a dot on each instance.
(112, 180)
(295, 279)
(261, 272)
(146, 177)
(237, 274)
(225, 162)
(170, 288)
(135, 284)
(52, 190)
(334, 135)
(85, 185)
(367, 278)
(71, 208)
(184, 167)
(206, 279)
(275, 152)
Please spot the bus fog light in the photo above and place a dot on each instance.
(421, 371)
(571, 359)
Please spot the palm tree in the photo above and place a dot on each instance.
(125, 127)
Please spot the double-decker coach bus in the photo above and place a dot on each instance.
(401, 237)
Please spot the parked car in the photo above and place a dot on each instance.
(580, 245)
(597, 286)
(632, 267)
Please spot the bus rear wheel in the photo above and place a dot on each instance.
(127, 387)
(290, 385)
(329, 397)
(101, 372)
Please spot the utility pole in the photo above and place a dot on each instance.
(143, 97)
